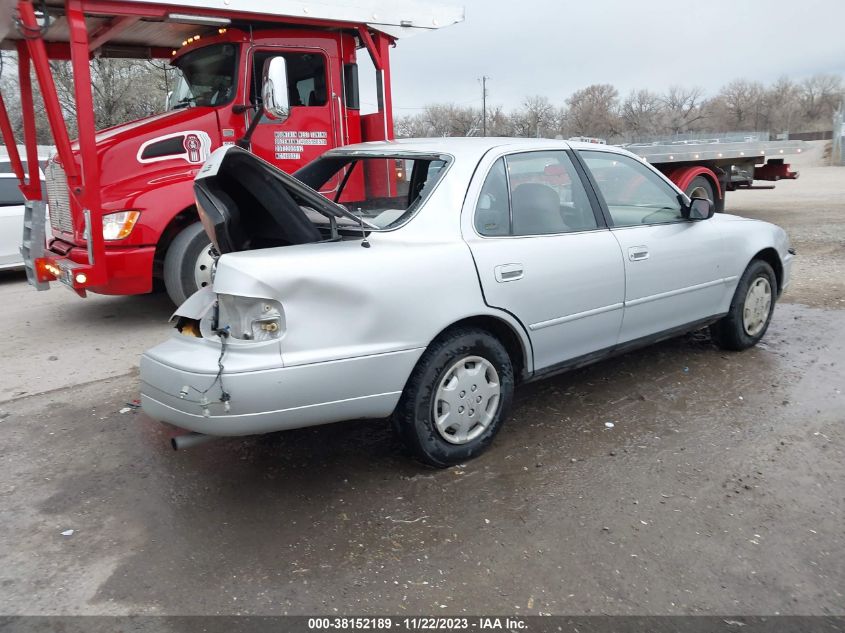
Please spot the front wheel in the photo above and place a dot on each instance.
(188, 263)
(751, 309)
(456, 399)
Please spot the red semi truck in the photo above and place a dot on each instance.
(121, 203)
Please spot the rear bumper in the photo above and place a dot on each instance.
(126, 271)
(266, 399)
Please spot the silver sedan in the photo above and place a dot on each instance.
(11, 215)
(423, 280)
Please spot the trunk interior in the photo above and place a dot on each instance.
(247, 204)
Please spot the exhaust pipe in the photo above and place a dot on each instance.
(181, 442)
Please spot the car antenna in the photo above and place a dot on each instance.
(364, 242)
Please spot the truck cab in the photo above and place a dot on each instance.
(123, 213)
(147, 167)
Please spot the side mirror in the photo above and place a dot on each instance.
(699, 209)
(274, 89)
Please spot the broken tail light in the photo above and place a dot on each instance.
(251, 319)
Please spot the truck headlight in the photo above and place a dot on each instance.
(117, 226)
(251, 319)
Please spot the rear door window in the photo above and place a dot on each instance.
(533, 193)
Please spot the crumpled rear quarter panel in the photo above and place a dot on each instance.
(341, 300)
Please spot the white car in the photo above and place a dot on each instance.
(11, 216)
(435, 275)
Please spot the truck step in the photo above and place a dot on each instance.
(34, 240)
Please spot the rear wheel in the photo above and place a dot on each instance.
(187, 264)
(456, 399)
(751, 309)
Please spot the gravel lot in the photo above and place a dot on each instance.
(720, 489)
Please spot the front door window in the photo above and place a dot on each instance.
(306, 77)
(634, 194)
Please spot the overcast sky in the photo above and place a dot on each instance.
(553, 48)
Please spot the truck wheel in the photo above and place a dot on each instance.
(700, 187)
(187, 264)
(751, 309)
(456, 399)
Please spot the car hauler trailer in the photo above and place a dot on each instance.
(121, 202)
(710, 169)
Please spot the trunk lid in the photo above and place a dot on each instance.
(246, 203)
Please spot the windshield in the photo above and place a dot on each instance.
(383, 191)
(206, 77)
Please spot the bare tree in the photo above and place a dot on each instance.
(642, 113)
(123, 90)
(497, 121)
(820, 96)
(683, 109)
(783, 105)
(540, 115)
(740, 105)
(594, 111)
(440, 119)
(518, 123)
(409, 126)
(9, 85)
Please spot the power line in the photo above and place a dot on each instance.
(459, 103)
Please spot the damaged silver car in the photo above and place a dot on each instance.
(422, 280)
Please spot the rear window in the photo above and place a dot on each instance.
(10, 193)
(384, 191)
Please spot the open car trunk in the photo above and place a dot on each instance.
(245, 203)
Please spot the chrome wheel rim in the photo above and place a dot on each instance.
(699, 192)
(758, 302)
(203, 266)
(466, 400)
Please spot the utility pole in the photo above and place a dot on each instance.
(484, 79)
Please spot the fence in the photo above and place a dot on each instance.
(811, 136)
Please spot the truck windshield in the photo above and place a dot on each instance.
(206, 77)
(386, 191)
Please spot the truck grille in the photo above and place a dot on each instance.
(58, 198)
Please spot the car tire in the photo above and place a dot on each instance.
(701, 186)
(461, 366)
(187, 262)
(751, 309)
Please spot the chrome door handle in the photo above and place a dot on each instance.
(508, 272)
(637, 253)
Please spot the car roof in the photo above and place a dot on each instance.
(464, 147)
(44, 153)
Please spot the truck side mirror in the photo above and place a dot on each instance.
(274, 89)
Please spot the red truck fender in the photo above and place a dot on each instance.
(683, 176)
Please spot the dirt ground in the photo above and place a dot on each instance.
(719, 490)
